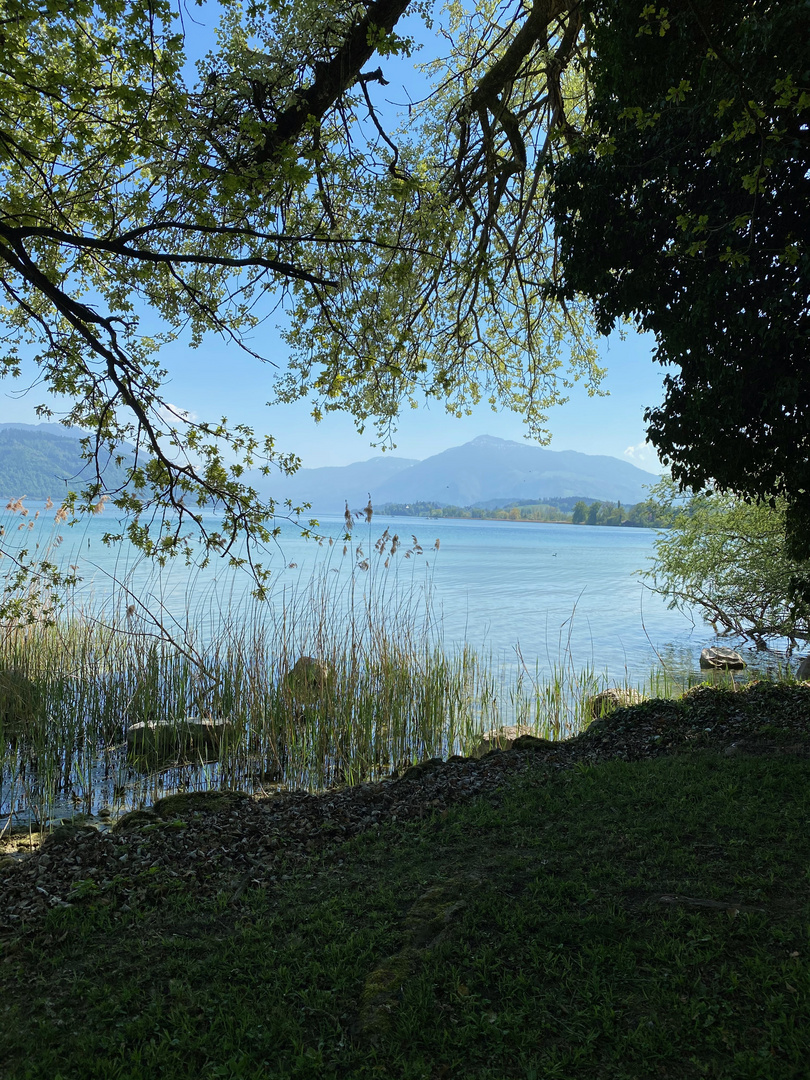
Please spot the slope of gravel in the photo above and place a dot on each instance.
(212, 843)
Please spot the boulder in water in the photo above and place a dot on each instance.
(614, 697)
(308, 680)
(159, 740)
(720, 658)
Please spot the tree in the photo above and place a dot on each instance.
(648, 514)
(580, 513)
(593, 513)
(728, 558)
(610, 514)
(686, 209)
(138, 203)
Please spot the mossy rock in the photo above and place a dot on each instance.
(135, 819)
(20, 701)
(422, 767)
(190, 802)
(175, 823)
(309, 680)
(533, 742)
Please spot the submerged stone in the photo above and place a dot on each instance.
(162, 739)
(718, 657)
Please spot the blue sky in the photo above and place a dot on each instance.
(217, 380)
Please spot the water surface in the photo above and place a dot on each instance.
(526, 594)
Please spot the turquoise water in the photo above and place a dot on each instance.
(523, 593)
(550, 602)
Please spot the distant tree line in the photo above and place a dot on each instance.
(642, 515)
(646, 515)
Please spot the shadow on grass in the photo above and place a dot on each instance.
(620, 921)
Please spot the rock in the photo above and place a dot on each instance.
(803, 670)
(614, 697)
(533, 742)
(308, 680)
(135, 819)
(161, 739)
(422, 767)
(19, 704)
(500, 738)
(718, 657)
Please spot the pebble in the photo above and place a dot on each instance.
(220, 847)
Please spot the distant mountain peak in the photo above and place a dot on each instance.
(491, 440)
(40, 459)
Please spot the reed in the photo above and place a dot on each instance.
(85, 675)
(382, 690)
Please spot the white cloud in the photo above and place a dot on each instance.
(172, 413)
(644, 455)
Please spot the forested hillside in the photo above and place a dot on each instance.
(41, 465)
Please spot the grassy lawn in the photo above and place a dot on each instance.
(620, 921)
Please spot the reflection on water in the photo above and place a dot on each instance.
(554, 611)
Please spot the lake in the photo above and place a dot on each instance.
(557, 608)
(524, 594)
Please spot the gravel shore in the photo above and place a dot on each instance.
(210, 843)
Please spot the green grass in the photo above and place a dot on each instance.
(525, 939)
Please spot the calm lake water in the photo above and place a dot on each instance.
(534, 600)
(528, 594)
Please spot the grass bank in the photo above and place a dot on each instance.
(616, 921)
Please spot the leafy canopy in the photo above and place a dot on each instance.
(686, 209)
(728, 558)
(410, 263)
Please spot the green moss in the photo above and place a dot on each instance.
(189, 802)
(381, 993)
(135, 819)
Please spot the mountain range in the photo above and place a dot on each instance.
(482, 471)
(43, 460)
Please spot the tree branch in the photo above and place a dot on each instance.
(333, 79)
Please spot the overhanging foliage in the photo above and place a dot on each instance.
(409, 264)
